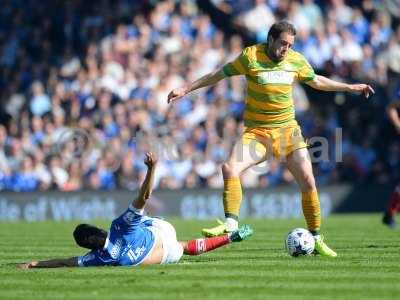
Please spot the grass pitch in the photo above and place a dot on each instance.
(368, 266)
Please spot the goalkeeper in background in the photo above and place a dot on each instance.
(271, 129)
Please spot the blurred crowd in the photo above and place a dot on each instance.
(84, 90)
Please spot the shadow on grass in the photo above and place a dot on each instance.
(369, 246)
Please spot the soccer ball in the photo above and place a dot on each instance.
(299, 242)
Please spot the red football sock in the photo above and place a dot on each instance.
(198, 246)
(394, 204)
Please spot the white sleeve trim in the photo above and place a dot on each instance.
(107, 241)
(136, 210)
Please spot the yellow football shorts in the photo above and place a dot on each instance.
(279, 142)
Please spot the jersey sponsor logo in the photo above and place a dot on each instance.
(275, 77)
(116, 249)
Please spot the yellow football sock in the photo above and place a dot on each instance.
(232, 197)
(311, 210)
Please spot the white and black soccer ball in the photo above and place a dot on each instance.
(299, 242)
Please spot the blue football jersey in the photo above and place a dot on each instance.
(130, 240)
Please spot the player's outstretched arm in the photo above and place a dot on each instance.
(206, 80)
(147, 185)
(325, 84)
(52, 263)
(393, 114)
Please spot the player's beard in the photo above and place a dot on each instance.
(280, 55)
(276, 55)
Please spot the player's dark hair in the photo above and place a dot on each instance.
(89, 236)
(280, 27)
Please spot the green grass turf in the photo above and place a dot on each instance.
(368, 266)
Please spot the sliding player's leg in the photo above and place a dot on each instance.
(202, 245)
(173, 250)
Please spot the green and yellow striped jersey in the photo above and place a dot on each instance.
(269, 101)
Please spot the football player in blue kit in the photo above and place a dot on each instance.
(135, 239)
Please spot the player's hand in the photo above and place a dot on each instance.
(150, 160)
(29, 265)
(176, 94)
(365, 89)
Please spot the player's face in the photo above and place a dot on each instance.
(279, 48)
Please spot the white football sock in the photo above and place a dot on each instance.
(317, 237)
(231, 224)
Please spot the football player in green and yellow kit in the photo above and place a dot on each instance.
(270, 126)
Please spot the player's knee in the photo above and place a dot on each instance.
(308, 183)
(229, 170)
(226, 170)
